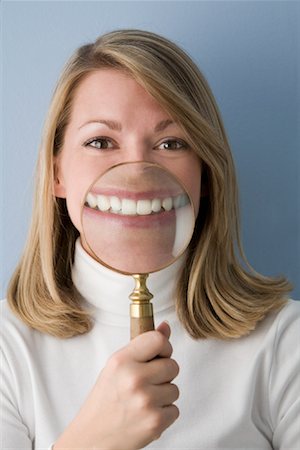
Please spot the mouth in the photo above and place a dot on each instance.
(128, 206)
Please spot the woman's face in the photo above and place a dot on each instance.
(114, 120)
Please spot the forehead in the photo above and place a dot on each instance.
(112, 90)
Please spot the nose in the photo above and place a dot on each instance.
(138, 151)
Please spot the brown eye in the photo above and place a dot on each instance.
(172, 144)
(99, 143)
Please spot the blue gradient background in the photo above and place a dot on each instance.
(248, 50)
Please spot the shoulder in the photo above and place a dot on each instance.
(272, 339)
(15, 336)
(11, 325)
(277, 322)
(287, 320)
(9, 321)
(291, 309)
(285, 352)
(284, 388)
(279, 330)
(286, 326)
(17, 339)
(24, 350)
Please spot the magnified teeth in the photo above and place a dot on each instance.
(184, 200)
(177, 201)
(115, 204)
(180, 200)
(144, 207)
(131, 207)
(103, 203)
(92, 200)
(167, 204)
(156, 205)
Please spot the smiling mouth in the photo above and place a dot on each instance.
(134, 207)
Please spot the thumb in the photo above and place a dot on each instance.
(165, 329)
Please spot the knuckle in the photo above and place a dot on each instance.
(176, 392)
(173, 414)
(116, 361)
(174, 367)
(176, 412)
(133, 384)
(168, 348)
(159, 339)
(144, 401)
(155, 423)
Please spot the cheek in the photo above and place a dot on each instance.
(194, 189)
(78, 175)
(190, 175)
(74, 200)
(77, 185)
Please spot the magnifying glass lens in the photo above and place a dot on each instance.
(137, 218)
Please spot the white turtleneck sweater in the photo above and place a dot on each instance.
(238, 394)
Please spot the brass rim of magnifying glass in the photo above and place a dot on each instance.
(171, 176)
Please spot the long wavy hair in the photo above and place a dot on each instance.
(218, 294)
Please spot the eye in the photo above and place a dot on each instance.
(172, 144)
(101, 143)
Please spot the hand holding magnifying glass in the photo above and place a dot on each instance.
(137, 218)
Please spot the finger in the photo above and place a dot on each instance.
(168, 416)
(161, 370)
(162, 395)
(159, 419)
(149, 345)
(165, 329)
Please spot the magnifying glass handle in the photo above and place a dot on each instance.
(141, 310)
(139, 325)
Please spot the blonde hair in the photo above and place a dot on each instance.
(217, 297)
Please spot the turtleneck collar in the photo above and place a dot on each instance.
(106, 291)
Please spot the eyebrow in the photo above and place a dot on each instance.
(109, 123)
(116, 126)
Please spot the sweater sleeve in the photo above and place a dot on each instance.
(284, 388)
(14, 434)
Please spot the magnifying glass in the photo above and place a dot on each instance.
(137, 218)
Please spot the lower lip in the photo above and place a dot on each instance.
(152, 220)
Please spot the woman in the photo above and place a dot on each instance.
(70, 377)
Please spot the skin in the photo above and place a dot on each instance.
(114, 96)
(136, 385)
(131, 403)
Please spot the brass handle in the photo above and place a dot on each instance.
(139, 325)
(141, 310)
